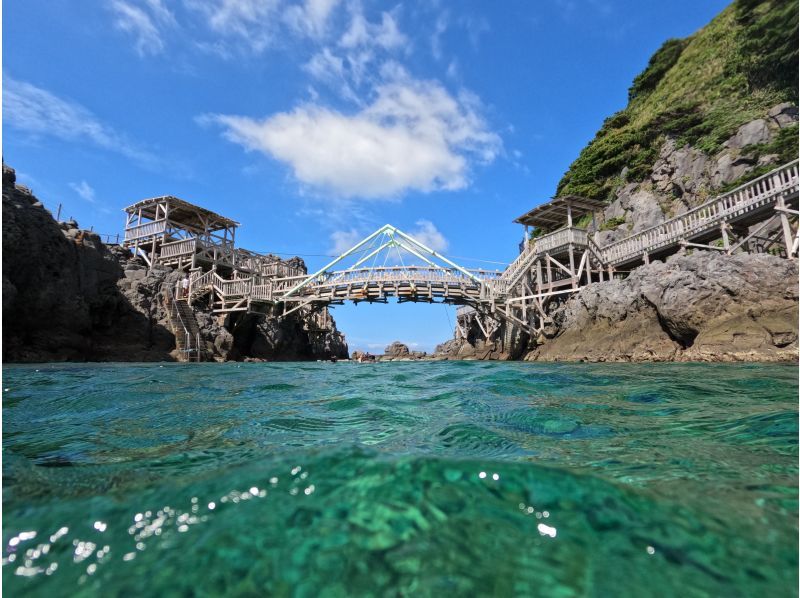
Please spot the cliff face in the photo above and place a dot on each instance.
(703, 307)
(68, 297)
(709, 113)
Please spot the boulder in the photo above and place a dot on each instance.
(752, 133)
(783, 115)
(397, 349)
(706, 307)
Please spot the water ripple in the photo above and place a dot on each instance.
(427, 478)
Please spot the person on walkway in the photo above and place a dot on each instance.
(185, 287)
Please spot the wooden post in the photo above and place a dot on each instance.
(569, 214)
(787, 229)
(725, 241)
(538, 276)
(549, 272)
(572, 266)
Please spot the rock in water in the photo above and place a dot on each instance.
(397, 349)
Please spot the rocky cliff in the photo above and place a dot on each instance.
(708, 113)
(69, 297)
(703, 307)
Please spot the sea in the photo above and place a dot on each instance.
(400, 479)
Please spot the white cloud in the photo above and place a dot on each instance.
(414, 136)
(427, 234)
(84, 190)
(361, 57)
(38, 112)
(452, 69)
(331, 69)
(342, 240)
(436, 38)
(475, 28)
(253, 22)
(362, 33)
(142, 23)
(311, 17)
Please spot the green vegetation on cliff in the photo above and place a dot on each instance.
(698, 90)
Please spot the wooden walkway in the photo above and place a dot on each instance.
(552, 265)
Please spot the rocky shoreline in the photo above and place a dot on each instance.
(704, 307)
(69, 297)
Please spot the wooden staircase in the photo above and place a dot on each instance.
(184, 326)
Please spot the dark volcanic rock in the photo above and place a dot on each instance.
(68, 297)
(704, 307)
(59, 282)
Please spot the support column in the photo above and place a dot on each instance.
(788, 237)
(538, 276)
(572, 267)
(723, 228)
(549, 273)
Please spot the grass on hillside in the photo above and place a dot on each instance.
(698, 90)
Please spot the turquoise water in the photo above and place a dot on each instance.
(424, 479)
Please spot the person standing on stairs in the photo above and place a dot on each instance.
(185, 287)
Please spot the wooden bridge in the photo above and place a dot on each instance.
(759, 216)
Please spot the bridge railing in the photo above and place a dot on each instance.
(742, 199)
(261, 292)
(145, 230)
(539, 246)
(176, 248)
(409, 274)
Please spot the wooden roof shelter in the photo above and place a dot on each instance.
(174, 232)
(181, 211)
(560, 211)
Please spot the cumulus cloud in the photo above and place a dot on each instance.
(84, 190)
(143, 22)
(38, 112)
(413, 136)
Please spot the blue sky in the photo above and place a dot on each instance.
(314, 122)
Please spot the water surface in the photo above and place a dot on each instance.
(424, 479)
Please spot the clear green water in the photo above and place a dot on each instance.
(423, 479)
